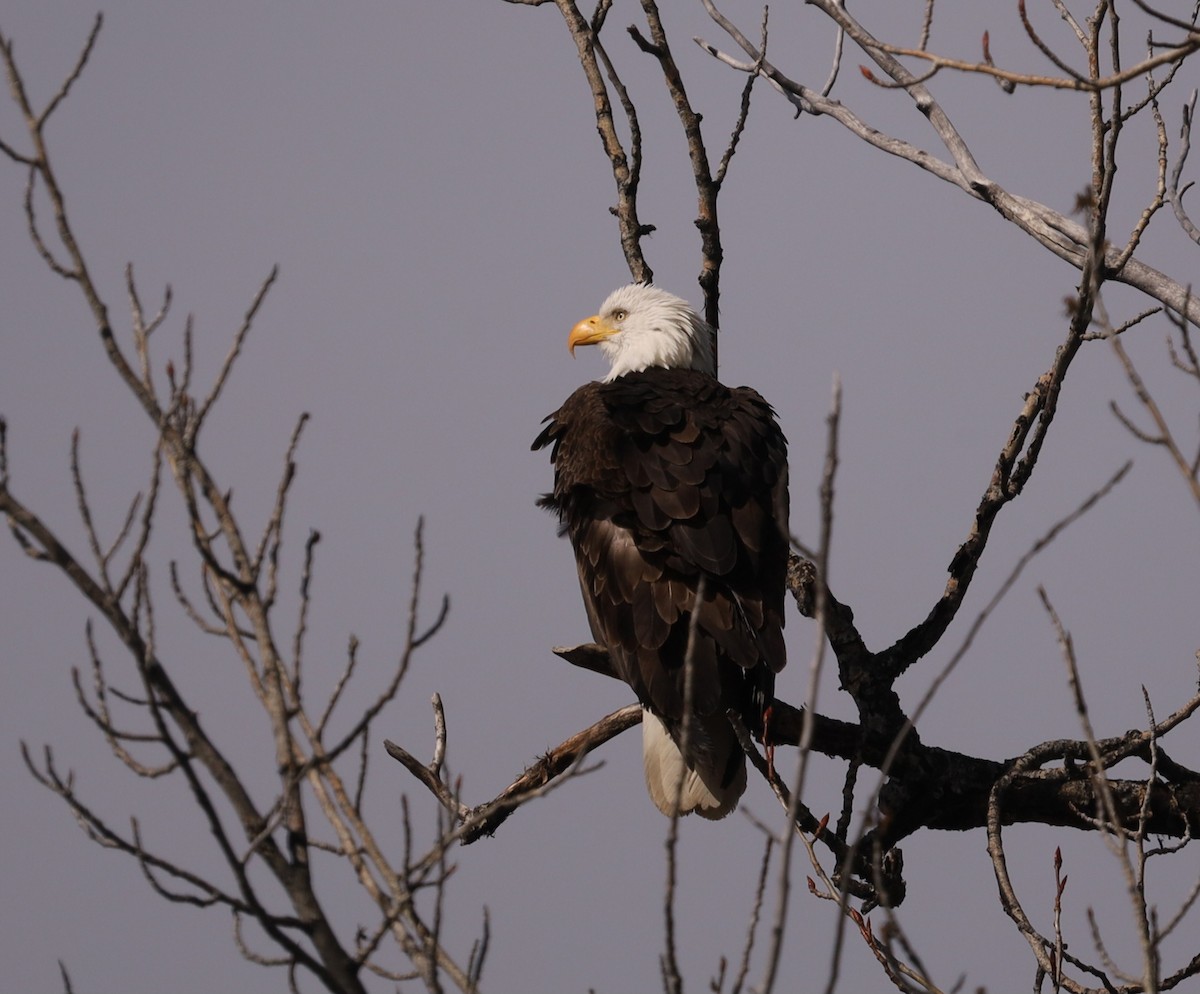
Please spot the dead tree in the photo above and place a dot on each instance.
(230, 590)
(1120, 72)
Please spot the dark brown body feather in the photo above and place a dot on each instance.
(666, 480)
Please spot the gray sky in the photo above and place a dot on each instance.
(428, 178)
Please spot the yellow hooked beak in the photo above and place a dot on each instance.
(589, 331)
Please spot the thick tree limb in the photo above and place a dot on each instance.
(953, 788)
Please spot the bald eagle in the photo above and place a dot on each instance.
(673, 491)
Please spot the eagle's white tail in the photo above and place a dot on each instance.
(702, 789)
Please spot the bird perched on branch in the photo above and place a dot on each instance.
(673, 490)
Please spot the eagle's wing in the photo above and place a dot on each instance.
(669, 483)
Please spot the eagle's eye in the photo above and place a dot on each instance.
(619, 316)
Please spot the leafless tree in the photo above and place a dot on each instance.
(230, 591)
(1121, 72)
(231, 587)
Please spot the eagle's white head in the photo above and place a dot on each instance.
(640, 326)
